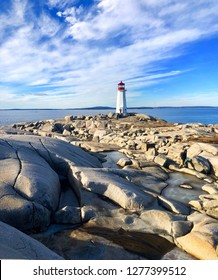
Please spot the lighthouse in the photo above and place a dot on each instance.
(121, 99)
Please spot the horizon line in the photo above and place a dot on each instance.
(108, 107)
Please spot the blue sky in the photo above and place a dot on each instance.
(72, 53)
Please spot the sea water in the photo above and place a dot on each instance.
(205, 115)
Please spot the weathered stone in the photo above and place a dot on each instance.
(178, 254)
(80, 117)
(112, 115)
(173, 206)
(151, 179)
(151, 154)
(52, 127)
(135, 164)
(87, 213)
(202, 241)
(181, 228)
(69, 118)
(112, 201)
(124, 162)
(163, 150)
(90, 124)
(156, 171)
(100, 133)
(185, 186)
(196, 204)
(146, 146)
(210, 188)
(48, 127)
(205, 154)
(113, 187)
(214, 163)
(31, 215)
(160, 222)
(174, 153)
(97, 147)
(44, 133)
(143, 117)
(66, 132)
(209, 200)
(29, 179)
(161, 160)
(197, 245)
(68, 127)
(17, 245)
(37, 181)
(212, 212)
(58, 127)
(194, 150)
(201, 164)
(191, 172)
(67, 215)
(212, 149)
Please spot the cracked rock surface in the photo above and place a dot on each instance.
(139, 214)
(17, 245)
(31, 171)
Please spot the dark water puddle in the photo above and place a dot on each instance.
(148, 245)
(175, 192)
(112, 158)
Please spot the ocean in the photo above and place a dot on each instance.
(205, 115)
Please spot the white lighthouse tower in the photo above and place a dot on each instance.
(121, 99)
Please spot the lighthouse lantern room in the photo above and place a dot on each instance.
(121, 99)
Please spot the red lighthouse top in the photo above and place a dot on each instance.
(121, 86)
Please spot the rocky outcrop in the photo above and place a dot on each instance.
(105, 183)
(142, 197)
(17, 245)
(201, 164)
(207, 203)
(158, 140)
(202, 241)
(31, 172)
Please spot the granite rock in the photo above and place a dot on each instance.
(16, 245)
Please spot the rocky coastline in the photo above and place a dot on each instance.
(109, 187)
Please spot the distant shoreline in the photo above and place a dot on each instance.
(203, 114)
(108, 108)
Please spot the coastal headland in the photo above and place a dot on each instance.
(109, 187)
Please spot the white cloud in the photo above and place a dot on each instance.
(14, 17)
(47, 25)
(113, 18)
(39, 82)
(140, 20)
(59, 3)
(6, 94)
(115, 39)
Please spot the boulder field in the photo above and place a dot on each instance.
(61, 184)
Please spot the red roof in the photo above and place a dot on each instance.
(121, 83)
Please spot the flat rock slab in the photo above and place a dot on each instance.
(97, 147)
(150, 178)
(115, 188)
(202, 240)
(184, 195)
(17, 245)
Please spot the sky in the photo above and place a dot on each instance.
(73, 53)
